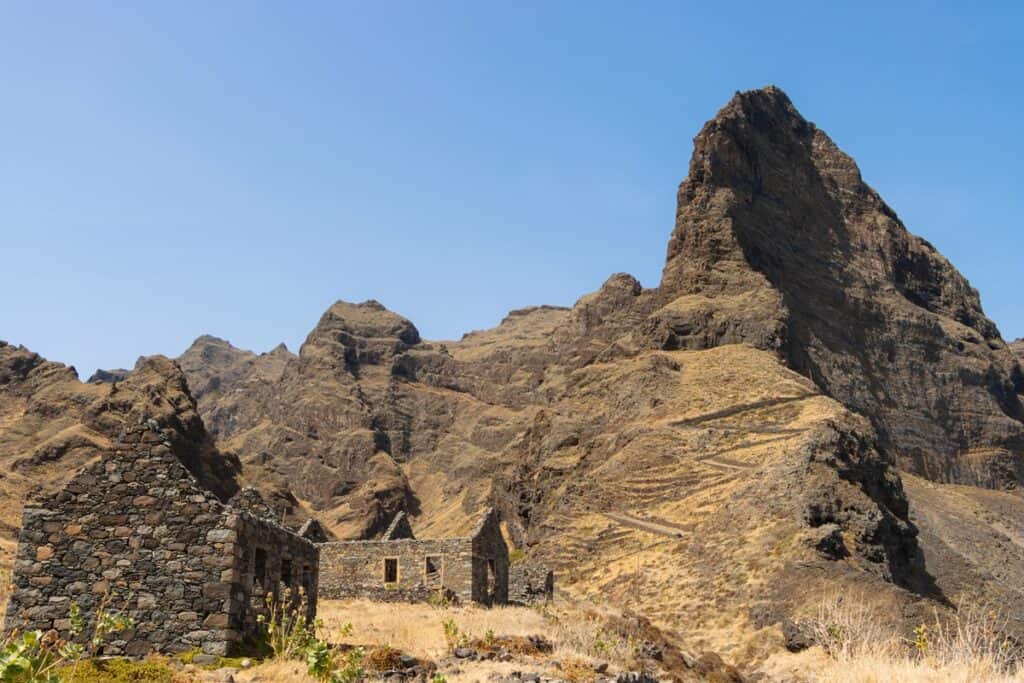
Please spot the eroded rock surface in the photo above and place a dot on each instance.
(780, 243)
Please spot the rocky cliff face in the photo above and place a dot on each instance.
(215, 368)
(1018, 348)
(775, 221)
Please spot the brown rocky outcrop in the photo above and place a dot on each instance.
(780, 243)
(212, 364)
(108, 376)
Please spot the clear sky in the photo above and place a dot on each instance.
(174, 169)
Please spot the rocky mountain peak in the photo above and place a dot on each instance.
(779, 243)
(351, 335)
(279, 350)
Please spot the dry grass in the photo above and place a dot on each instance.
(418, 629)
(579, 638)
(969, 645)
(6, 588)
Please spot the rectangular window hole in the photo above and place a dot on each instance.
(391, 570)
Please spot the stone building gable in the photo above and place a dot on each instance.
(399, 528)
(490, 560)
(138, 527)
(313, 531)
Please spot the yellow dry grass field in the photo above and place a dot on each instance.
(418, 629)
(578, 637)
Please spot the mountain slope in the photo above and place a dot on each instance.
(689, 449)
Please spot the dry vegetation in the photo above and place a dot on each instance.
(6, 587)
(579, 638)
(856, 645)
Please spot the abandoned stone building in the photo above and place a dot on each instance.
(136, 526)
(400, 567)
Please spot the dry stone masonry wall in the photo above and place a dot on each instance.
(401, 568)
(136, 529)
(530, 583)
(358, 569)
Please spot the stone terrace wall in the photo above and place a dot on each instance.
(530, 583)
(355, 569)
(134, 524)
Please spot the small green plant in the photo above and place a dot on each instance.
(107, 622)
(451, 632)
(604, 642)
(326, 667)
(31, 657)
(36, 657)
(441, 599)
(516, 555)
(490, 640)
(438, 678)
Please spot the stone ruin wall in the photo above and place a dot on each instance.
(355, 569)
(137, 527)
(290, 567)
(472, 569)
(530, 583)
(490, 561)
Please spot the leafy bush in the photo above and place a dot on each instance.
(36, 657)
(325, 665)
(453, 636)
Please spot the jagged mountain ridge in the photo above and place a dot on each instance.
(773, 212)
(779, 245)
(687, 447)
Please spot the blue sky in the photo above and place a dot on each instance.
(174, 169)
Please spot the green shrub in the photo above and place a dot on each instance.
(324, 664)
(36, 657)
